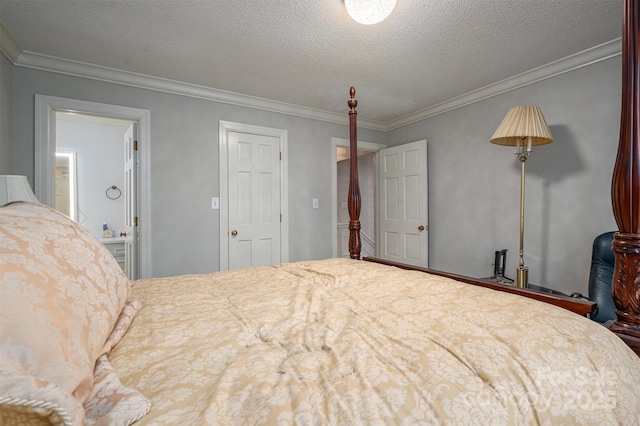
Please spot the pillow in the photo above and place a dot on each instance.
(62, 293)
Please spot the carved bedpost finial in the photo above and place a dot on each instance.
(353, 102)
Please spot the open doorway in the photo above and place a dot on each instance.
(367, 155)
(46, 147)
(90, 186)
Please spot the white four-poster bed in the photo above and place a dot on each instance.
(335, 341)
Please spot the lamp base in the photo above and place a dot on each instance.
(522, 278)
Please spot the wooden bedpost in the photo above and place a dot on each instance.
(625, 188)
(354, 186)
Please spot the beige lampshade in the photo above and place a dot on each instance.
(15, 188)
(523, 122)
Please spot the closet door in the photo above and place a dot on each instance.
(254, 200)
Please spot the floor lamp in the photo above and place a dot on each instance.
(522, 127)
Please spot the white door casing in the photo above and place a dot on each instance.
(403, 213)
(253, 196)
(131, 201)
(45, 151)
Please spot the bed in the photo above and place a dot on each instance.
(334, 341)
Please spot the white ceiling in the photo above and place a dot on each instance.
(309, 52)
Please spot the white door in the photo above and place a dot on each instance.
(131, 201)
(403, 214)
(254, 199)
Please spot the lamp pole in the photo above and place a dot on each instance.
(522, 277)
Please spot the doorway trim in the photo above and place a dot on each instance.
(226, 127)
(45, 151)
(335, 143)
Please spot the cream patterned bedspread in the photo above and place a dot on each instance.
(345, 342)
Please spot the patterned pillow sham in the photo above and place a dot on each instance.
(62, 294)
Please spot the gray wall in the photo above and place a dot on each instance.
(184, 166)
(474, 186)
(6, 94)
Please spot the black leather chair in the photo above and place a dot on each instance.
(601, 277)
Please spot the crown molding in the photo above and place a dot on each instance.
(8, 45)
(552, 69)
(81, 69)
(27, 59)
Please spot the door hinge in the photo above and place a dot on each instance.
(280, 217)
(281, 156)
(135, 145)
(135, 221)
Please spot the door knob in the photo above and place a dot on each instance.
(421, 228)
(234, 233)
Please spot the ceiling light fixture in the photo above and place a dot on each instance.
(369, 12)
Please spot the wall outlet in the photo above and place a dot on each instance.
(314, 202)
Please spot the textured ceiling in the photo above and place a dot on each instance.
(308, 52)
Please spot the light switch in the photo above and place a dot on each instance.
(314, 202)
(215, 203)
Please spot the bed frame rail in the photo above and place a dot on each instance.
(579, 306)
